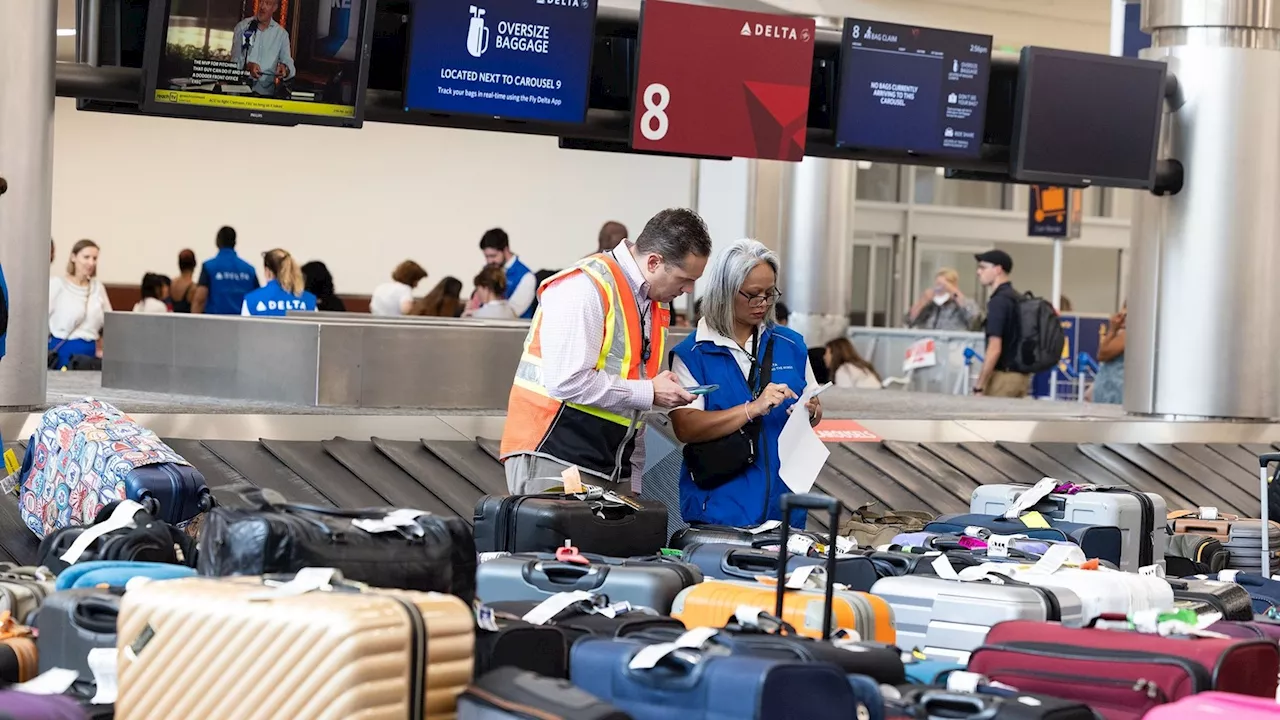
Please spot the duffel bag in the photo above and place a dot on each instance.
(383, 547)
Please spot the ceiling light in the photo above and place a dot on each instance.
(66, 32)
(864, 164)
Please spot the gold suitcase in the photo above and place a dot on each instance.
(237, 648)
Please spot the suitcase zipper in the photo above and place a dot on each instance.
(1201, 680)
(417, 658)
(1141, 685)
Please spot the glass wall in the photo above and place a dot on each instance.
(878, 181)
(932, 188)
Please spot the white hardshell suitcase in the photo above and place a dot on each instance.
(951, 618)
(1101, 591)
(1140, 516)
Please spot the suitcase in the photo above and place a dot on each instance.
(1189, 554)
(686, 538)
(988, 703)
(19, 660)
(1097, 541)
(950, 618)
(544, 522)
(1123, 674)
(107, 573)
(122, 531)
(1217, 705)
(714, 603)
(87, 454)
(733, 562)
(23, 589)
(1259, 627)
(384, 547)
(651, 582)
(16, 705)
(1242, 537)
(351, 652)
(691, 684)
(1101, 591)
(1228, 598)
(1140, 516)
(1264, 591)
(73, 622)
(541, 649)
(511, 693)
(577, 622)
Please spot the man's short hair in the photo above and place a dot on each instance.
(226, 237)
(611, 233)
(495, 239)
(675, 234)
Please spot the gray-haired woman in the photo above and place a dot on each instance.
(759, 369)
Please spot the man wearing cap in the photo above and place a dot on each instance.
(996, 380)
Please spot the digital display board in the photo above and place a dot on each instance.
(720, 82)
(515, 59)
(267, 61)
(1064, 98)
(912, 89)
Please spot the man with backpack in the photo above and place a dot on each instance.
(1024, 335)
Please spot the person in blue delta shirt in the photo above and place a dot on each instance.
(761, 368)
(224, 279)
(283, 291)
(522, 284)
(4, 312)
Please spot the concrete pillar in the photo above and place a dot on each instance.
(28, 45)
(1204, 334)
(818, 195)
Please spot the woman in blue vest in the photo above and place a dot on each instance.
(284, 290)
(760, 368)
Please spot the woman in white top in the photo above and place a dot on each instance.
(396, 297)
(491, 291)
(848, 368)
(155, 290)
(78, 305)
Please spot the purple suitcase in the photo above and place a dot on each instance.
(1259, 628)
(24, 706)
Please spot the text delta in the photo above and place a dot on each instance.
(780, 32)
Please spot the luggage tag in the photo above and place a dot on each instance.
(978, 532)
(799, 544)
(102, 663)
(1035, 521)
(542, 613)
(306, 580)
(1028, 499)
(1208, 513)
(395, 521)
(697, 637)
(11, 469)
(1057, 557)
(485, 619)
(651, 655)
(998, 545)
(572, 478)
(121, 517)
(54, 681)
(765, 527)
(963, 681)
(1154, 570)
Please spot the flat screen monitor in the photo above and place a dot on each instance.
(1084, 119)
(512, 59)
(722, 82)
(282, 62)
(912, 89)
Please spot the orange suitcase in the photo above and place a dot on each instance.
(206, 648)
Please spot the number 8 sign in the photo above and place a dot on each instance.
(722, 83)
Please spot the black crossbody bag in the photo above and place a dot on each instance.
(715, 462)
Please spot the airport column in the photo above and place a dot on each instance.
(27, 52)
(818, 230)
(1204, 333)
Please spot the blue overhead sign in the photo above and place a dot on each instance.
(1135, 41)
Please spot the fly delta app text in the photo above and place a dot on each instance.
(517, 59)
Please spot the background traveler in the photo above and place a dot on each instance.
(319, 282)
(573, 401)
(444, 300)
(848, 368)
(183, 288)
(1108, 386)
(78, 304)
(760, 368)
(491, 286)
(996, 379)
(943, 306)
(284, 290)
(396, 297)
(611, 233)
(154, 291)
(522, 286)
(224, 279)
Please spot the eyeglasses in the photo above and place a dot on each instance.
(766, 298)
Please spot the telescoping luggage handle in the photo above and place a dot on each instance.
(1264, 462)
(809, 501)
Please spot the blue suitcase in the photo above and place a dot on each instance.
(1104, 542)
(734, 562)
(697, 685)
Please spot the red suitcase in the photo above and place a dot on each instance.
(1123, 674)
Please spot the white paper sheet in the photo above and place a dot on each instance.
(800, 452)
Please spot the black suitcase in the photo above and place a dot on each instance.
(1228, 598)
(519, 695)
(686, 538)
(73, 622)
(542, 649)
(578, 621)
(734, 562)
(544, 522)
(421, 552)
(989, 703)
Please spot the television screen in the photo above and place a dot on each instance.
(912, 89)
(273, 61)
(514, 59)
(1084, 119)
(722, 82)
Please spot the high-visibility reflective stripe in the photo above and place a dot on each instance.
(603, 414)
(530, 373)
(607, 349)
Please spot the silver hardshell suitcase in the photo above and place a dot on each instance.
(651, 582)
(950, 618)
(1141, 517)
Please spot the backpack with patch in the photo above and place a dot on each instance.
(1040, 337)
